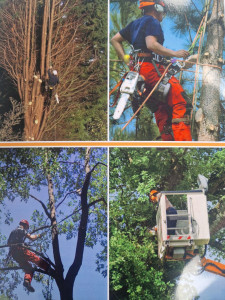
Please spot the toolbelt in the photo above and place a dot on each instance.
(149, 57)
(161, 92)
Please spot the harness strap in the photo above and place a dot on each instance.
(156, 68)
(185, 119)
(141, 54)
(149, 57)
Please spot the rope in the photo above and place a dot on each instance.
(26, 247)
(199, 36)
(194, 101)
(156, 85)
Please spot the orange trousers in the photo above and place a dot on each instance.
(25, 257)
(175, 108)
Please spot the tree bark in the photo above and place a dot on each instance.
(75, 267)
(209, 126)
(66, 285)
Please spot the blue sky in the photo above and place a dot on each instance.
(172, 41)
(89, 283)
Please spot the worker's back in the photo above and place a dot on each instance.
(17, 236)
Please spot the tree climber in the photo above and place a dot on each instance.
(23, 256)
(154, 197)
(53, 81)
(145, 34)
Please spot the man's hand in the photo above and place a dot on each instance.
(181, 53)
(190, 61)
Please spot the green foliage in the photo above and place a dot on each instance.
(89, 120)
(134, 266)
(132, 273)
(23, 178)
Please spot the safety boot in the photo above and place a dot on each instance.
(28, 286)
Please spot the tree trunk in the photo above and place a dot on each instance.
(210, 96)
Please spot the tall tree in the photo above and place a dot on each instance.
(35, 35)
(135, 270)
(208, 124)
(210, 101)
(74, 181)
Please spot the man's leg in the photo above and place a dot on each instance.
(180, 116)
(29, 271)
(20, 258)
(181, 130)
(37, 260)
(163, 122)
(170, 222)
(162, 114)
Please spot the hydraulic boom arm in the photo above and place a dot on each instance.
(213, 266)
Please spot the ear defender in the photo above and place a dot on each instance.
(159, 8)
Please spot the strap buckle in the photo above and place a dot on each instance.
(158, 58)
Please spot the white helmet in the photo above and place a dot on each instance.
(55, 72)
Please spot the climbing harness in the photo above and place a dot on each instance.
(25, 246)
(162, 88)
(132, 84)
(150, 94)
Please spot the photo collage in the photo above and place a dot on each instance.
(112, 149)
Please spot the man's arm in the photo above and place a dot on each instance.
(33, 237)
(116, 41)
(153, 45)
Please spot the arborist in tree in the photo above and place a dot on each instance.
(53, 81)
(170, 104)
(23, 256)
(154, 197)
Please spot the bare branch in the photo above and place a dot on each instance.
(98, 163)
(73, 192)
(42, 204)
(11, 268)
(96, 201)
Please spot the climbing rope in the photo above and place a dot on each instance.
(199, 37)
(140, 107)
(22, 245)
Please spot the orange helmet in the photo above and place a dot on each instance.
(24, 223)
(144, 3)
(153, 196)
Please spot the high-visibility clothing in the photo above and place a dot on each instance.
(175, 108)
(25, 257)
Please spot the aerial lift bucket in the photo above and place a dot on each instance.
(191, 228)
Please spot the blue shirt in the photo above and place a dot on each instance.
(136, 32)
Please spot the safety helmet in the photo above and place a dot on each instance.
(153, 196)
(24, 223)
(158, 5)
(55, 72)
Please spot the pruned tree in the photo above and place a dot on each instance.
(33, 36)
(67, 176)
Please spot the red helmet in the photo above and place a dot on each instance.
(24, 222)
(144, 3)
